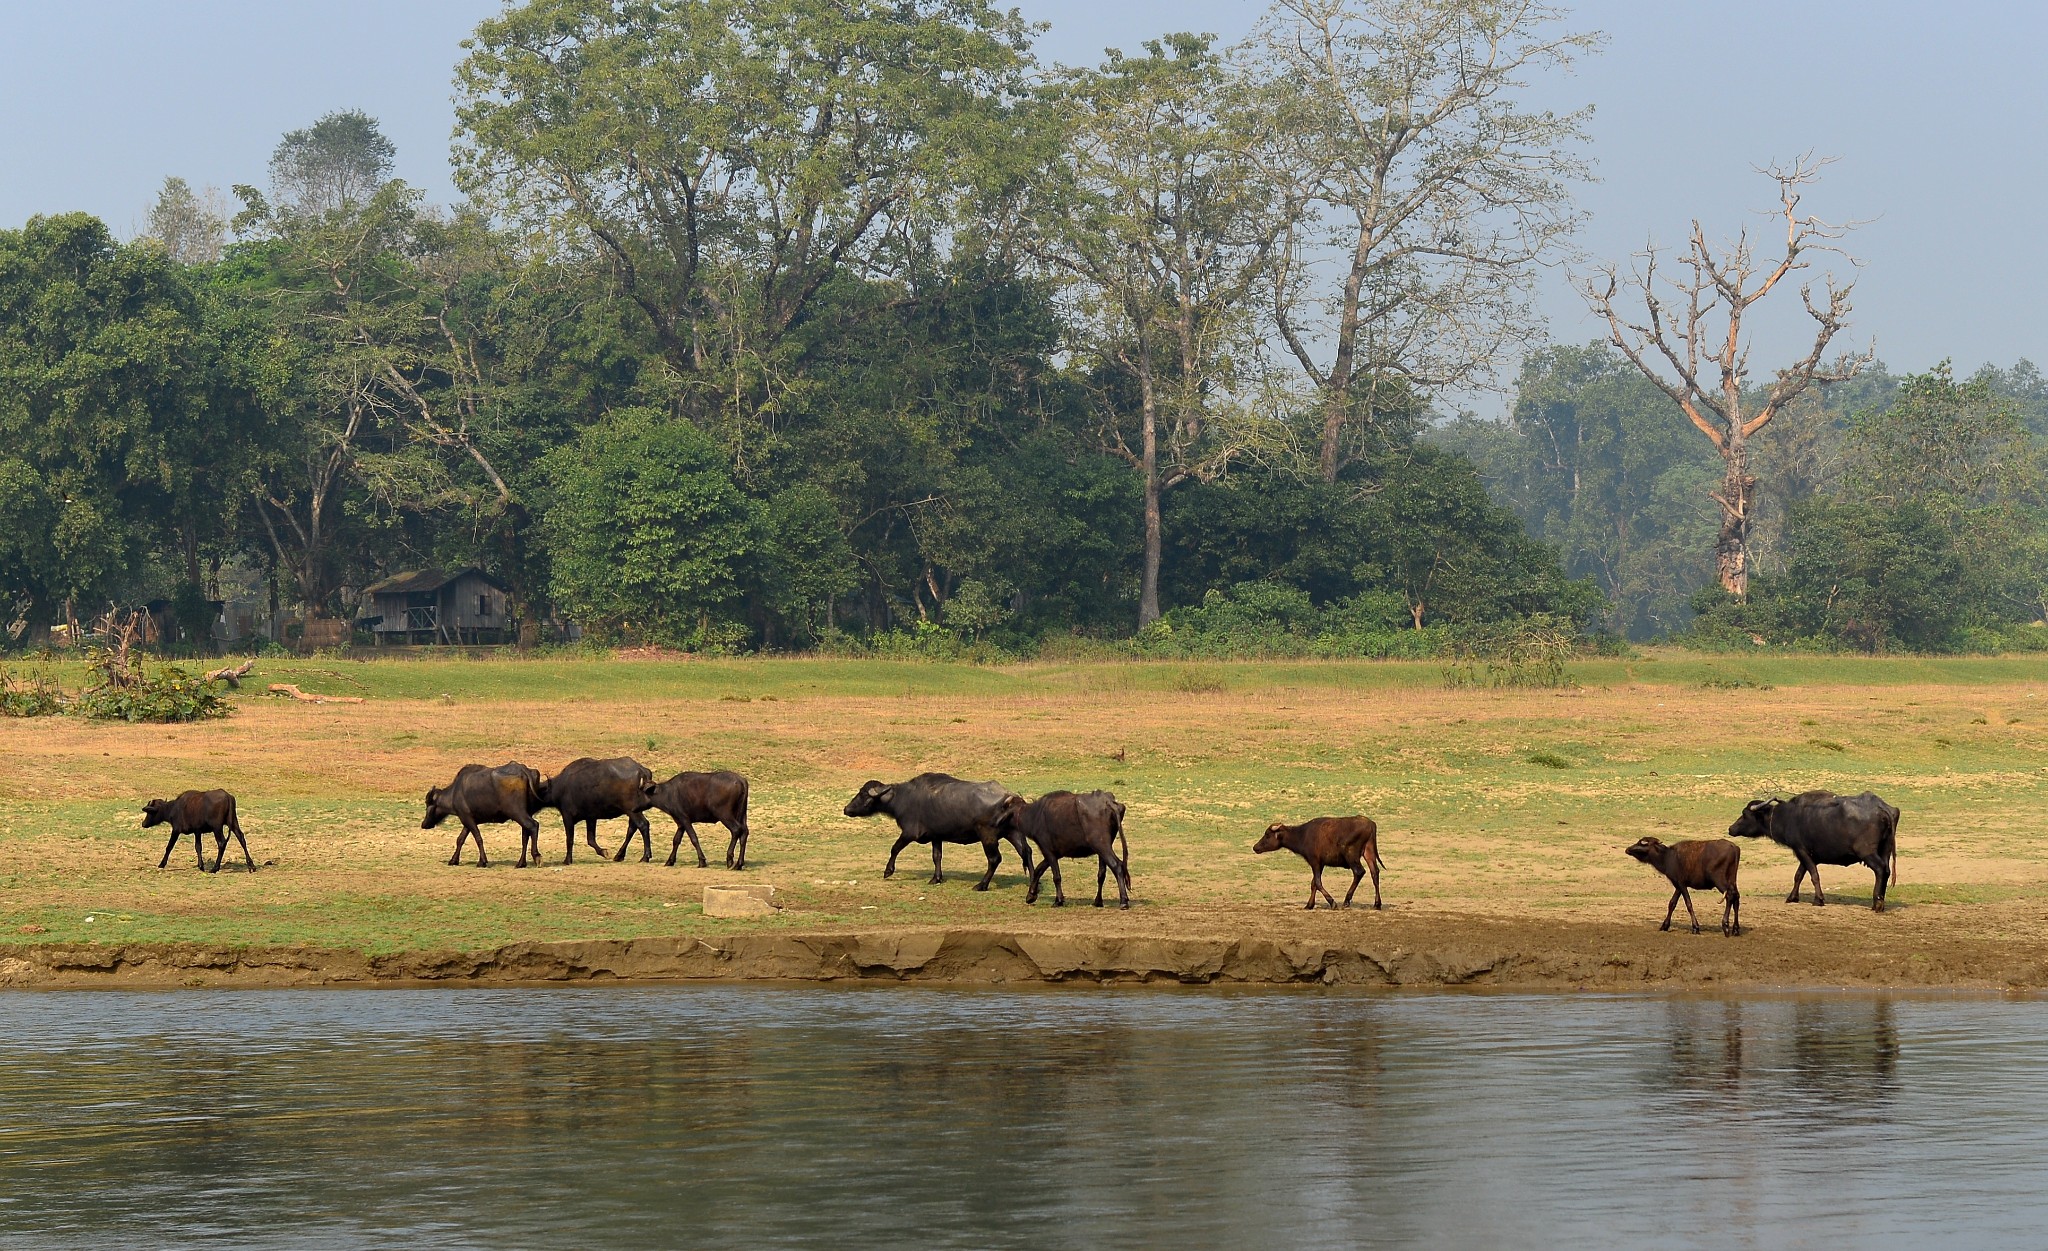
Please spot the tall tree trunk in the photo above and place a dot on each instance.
(1148, 594)
(1737, 499)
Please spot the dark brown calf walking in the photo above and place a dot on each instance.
(196, 813)
(1696, 864)
(1352, 842)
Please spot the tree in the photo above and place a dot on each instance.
(107, 379)
(1420, 195)
(1161, 231)
(1963, 454)
(651, 539)
(729, 158)
(191, 225)
(1592, 462)
(1690, 342)
(337, 163)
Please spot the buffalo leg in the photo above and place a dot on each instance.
(1688, 909)
(938, 858)
(1884, 874)
(1798, 876)
(684, 827)
(1372, 865)
(995, 857)
(1731, 907)
(1109, 861)
(1813, 871)
(1059, 891)
(647, 842)
(461, 837)
(736, 846)
(199, 849)
(568, 841)
(1031, 890)
(889, 870)
(529, 834)
(1023, 847)
(590, 834)
(1357, 876)
(1671, 908)
(220, 849)
(251, 860)
(1315, 883)
(167, 850)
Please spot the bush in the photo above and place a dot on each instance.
(29, 695)
(1525, 654)
(1255, 620)
(127, 691)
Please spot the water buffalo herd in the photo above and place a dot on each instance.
(1818, 827)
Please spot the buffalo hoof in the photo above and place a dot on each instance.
(451, 860)
(1098, 903)
(1792, 898)
(1031, 899)
(1125, 905)
(981, 886)
(890, 871)
(1878, 906)
(1664, 928)
(1311, 906)
(1376, 905)
(1057, 902)
(1818, 902)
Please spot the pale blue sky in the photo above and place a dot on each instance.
(1937, 112)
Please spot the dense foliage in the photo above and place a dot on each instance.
(781, 325)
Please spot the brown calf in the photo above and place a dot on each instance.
(1352, 842)
(196, 813)
(1696, 864)
(692, 797)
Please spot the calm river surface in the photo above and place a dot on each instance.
(751, 1117)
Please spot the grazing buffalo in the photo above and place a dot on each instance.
(1821, 827)
(481, 795)
(938, 808)
(1696, 864)
(1065, 825)
(587, 791)
(693, 797)
(1352, 842)
(196, 813)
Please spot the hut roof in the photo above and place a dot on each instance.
(422, 580)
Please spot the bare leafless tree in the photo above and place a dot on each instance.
(1690, 340)
(1420, 194)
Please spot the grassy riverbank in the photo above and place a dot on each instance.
(1506, 807)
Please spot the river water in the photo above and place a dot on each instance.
(759, 1116)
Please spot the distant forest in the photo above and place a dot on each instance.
(770, 325)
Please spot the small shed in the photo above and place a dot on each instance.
(430, 606)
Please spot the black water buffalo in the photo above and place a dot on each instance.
(693, 797)
(587, 791)
(1352, 842)
(1821, 827)
(481, 795)
(938, 808)
(1065, 825)
(196, 813)
(1696, 864)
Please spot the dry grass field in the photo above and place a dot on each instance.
(1506, 811)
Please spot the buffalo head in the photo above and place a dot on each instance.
(1647, 850)
(871, 798)
(1756, 819)
(1270, 840)
(156, 812)
(437, 808)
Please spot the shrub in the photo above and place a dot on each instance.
(1527, 654)
(29, 695)
(127, 691)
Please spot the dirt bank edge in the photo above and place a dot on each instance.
(1580, 957)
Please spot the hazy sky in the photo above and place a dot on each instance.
(1936, 112)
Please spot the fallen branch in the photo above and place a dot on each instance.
(233, 674)
(292, 692)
